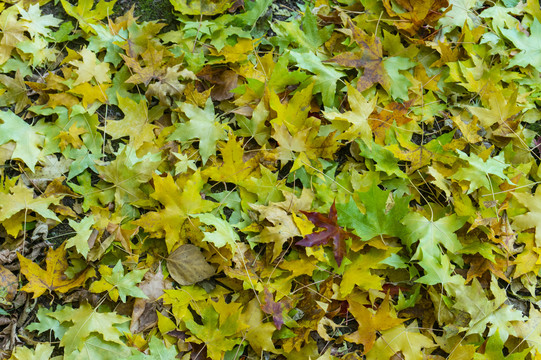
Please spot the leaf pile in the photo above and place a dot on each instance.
(356, 180)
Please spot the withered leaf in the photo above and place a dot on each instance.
(188, 266)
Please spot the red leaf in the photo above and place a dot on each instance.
(332, 231)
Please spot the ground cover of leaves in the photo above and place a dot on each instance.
(253, 180)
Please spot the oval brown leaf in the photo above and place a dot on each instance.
(8, 284)
(187, 265)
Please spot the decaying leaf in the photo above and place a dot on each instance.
(187, 265)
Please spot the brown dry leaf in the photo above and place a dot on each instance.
(187, 265)
(144, 314)
(8, 286)
(223, 81)
(52, 279)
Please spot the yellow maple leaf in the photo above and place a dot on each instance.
(371, 322)
(90, 68)
(179, 199)
(234, 167)
(71, 137)
(52, 279)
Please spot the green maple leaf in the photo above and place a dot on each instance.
(305, 34)
(216, 335)
(433, 237)
(83, 230)
(399, 83)
(95, 348)
(203, 126)
(377, 219)
(494, 350)
(41, 352)
(86, 321)
(530, 46)
(119, 285)
(106, 39)
(35, 23)
(27, 140)
(47, 323)
(223, 235)
(158, 351)
(325, 75)
(493, 312)
(478, 171)
(128, 172)
(98, 195)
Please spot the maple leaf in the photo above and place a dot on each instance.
(219, 336)
(16, 92)
(479, 169)
(51, 279)
(135, 123)
(258, 333)
(531, 219)
(35, 23)
(326, 76)
(90, 68)
(276, 309)
(416, 14)
(529, 46)
(117, 284)
(85, 15)
(378, 219)
(203, 126)
(501, 109)
(370, 57)
(41, 352)
(128, 172)
(19, 201)
(400, 339)
(358, 272)
(357, 116)
(71, 137)
(383, 121)
(94, 347)
(332, 231)
(158, 351)
(27, 140)
(201, 7)
(234, 167)
(371, 323)
(84, 322)
(83, 230)
(223, 233)
(433, 236)
(179, 200)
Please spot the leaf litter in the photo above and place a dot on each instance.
(259, 179)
